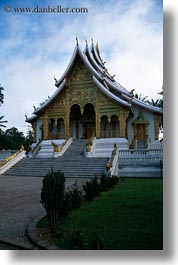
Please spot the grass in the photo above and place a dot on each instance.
(130, 216)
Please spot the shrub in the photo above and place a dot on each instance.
(103, 182)
(91, 188)
(112, 181)
(96, 186)
(88, 188)
(53, 197)
(107, 182)
(115, 180)
(75, 196)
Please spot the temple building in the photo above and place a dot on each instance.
(89, 102)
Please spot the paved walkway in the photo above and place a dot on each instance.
(19, 205)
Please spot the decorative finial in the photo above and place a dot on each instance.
(92, 40)
(55, 79)
(132, 91)
(34, 107)
(86, 42)
(76, 40)
(26, 116)
(113, 76)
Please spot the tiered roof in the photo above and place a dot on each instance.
(101, 78)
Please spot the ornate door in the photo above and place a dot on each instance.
(141, 131)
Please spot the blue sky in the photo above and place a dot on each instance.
(34, 48)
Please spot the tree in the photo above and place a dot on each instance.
(15, 137)
(1, 102)
(4, 141)
(1, 95)
(140, 97)
(156, 103)
(29, 139)
(2, 121)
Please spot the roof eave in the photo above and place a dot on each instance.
(31, 118)
(52, 98)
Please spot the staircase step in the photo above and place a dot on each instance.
(72, 163)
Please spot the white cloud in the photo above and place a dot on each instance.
(33, 52)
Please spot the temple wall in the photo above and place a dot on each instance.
(38, 130)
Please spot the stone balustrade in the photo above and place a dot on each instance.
(140, 157)
(140, 152)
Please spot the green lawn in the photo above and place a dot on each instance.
(130, 216)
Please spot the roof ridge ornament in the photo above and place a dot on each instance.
(86, 43)
(77, 42)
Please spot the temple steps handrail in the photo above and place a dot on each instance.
(90, 146)
(112, 164)
(35, 150)
(12, 160)
(64, 147)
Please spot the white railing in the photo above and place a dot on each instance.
(141, 152)
(142, 156)
(35, 148)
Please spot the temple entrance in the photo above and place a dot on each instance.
(82, 125)
(88, 121)
(75, 122)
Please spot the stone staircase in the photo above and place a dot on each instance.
(72, 163)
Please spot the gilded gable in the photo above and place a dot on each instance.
(80, 74)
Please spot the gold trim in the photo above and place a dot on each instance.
(56, 147)
(9, 158)
(111, 159)
(89, 144)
